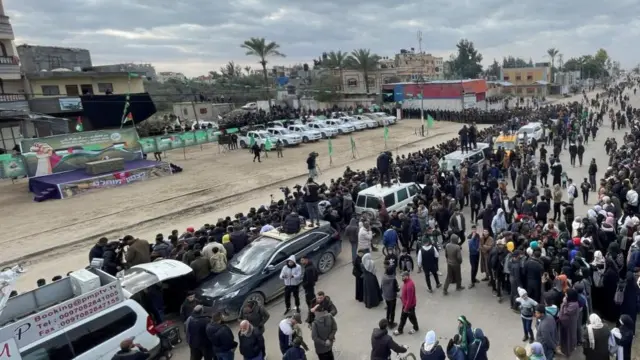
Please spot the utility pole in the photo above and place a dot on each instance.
(421, 84)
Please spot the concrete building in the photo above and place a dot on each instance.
(35, 58)
(58, 92)
(529, 81)
(204, 79)
(146, 70)
(411, 66)
(12, 95)
(202, 111)
(165, 76)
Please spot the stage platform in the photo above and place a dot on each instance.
(72, 183)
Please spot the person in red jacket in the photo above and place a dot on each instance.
(409, 301)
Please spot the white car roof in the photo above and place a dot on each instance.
(382, 191)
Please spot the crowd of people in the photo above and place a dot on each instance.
(562, 272)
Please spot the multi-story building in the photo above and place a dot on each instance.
(165, 76)
(412, 66)
(567, 78)
(204, 79)
(58, 92)
(46, 58)
(12, 95)
(146, 70)
(529, 81)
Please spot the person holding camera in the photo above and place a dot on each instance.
(131, 351)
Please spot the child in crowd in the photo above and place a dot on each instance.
(527, 309)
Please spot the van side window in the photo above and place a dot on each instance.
(402, 195)
(372, 202)
(360, 201)
(87, 336)
(389, 200)
(476, 157)
(413, 190)
(54, 348)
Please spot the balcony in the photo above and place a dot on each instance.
(9, 68)
(13, 102)
(6, 30)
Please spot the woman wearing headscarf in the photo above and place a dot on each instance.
(614, 253)
(568, 319)
(623, 336)
(465, 332)
(629, 304)
(431, 349)
(479, 347)
(357, 273)
(597, 270)
(596, 340)
(609, 311)
(537, 352)
(372, 294)
(454, 350)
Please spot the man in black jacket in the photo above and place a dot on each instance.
(128, 351)
(291, 224)
(382, 344)
(197, 339)
(97, 250)
(221, 338)
(383, 164)
(311, 199)
(309, 279)
(593, 169)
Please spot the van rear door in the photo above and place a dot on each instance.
(140, 277)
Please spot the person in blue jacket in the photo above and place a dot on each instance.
(390, 238)
(454, 352)
(295, 352)
(474, 254)
(479, 347)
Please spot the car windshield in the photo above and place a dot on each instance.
(320, 126)
(285, 132)
(525, 130)
(448, 164)
(254, 256)
(507, 145)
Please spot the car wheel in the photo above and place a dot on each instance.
(305, 139)
(254, 296)
(262, 147)
(285, 143)
(340, 132)
(243, 144)
(326, 262)
(324, 135)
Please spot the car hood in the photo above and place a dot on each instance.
(222, 284)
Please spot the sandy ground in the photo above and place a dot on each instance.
(354, 321)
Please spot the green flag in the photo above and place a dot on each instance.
(330, 148)
(267, 144)
(353, 142)
(252, 140)
(79, 126)
(429, 121)
(386, 133)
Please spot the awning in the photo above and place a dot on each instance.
(542, 82)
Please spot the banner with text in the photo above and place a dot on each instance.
(60, 153)
(179, 140)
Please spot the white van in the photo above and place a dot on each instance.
(396, 197)
(85, 320)
(477, 158)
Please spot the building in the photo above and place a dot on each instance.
(411, 66)
(12, 95)
(58, 92)
(353, 82)
(38, 58)
(567, 78)
(204, 79)
(146, 70)
(202, 111)
(165, 76)
(439, 94)
(529, 81)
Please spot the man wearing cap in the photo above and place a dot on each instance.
(131, 351)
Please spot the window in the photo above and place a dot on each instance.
(505, 78)
(529, 77)
(97, 331)
(72, 90)
(518, 77)
(352, 82)
(475, 158)
(519, 90)
(185, 112)
(87, 89)
(280, 257)
(531, 90)
(413, 190)
(373, 202)
(360, 201)
(402, 195)
(303, 243)
(50, 90)
(203, 110)
(54, 348)
(104, 87)
(389, 200)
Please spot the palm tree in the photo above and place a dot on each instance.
(337, 60)
(260, 48)
(553, 52)
(231, 70)
(248, 70)
(363, 60)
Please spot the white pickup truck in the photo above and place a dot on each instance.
(307, 133)
(287, 137)
(260, 137)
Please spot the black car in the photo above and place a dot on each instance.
(254, 273)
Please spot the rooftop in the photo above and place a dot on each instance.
(69, 73)
(275, 234)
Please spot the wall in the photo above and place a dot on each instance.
(439, 91)
(204, 111)
(38, 58)
(528, 76)
(120, 84)
(434, 104)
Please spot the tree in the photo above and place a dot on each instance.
(247, 69)
(336, 60)
(494, 70)
(260, 48)
(231, 71)
(467, 63)
(552, 52)
(325, 88)
(511, 62)
(364, 61)
(591, 66)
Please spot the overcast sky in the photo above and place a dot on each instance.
(195, 36)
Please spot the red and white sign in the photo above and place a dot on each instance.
(53, 319)
(9, 350)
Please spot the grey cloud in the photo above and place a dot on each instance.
(195, 36)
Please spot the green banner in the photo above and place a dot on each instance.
(148, 145)
(12, 166)
(201, 137)
(178, 141)
(188, 138)
(163, 143)
(67, 152)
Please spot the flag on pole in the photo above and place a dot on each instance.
(125, 111)
(429, 121)
(128, 118)
(330, 148)
(252, 140)
(386, 133)
(353, 142)
(79, 126)
(268, 144)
